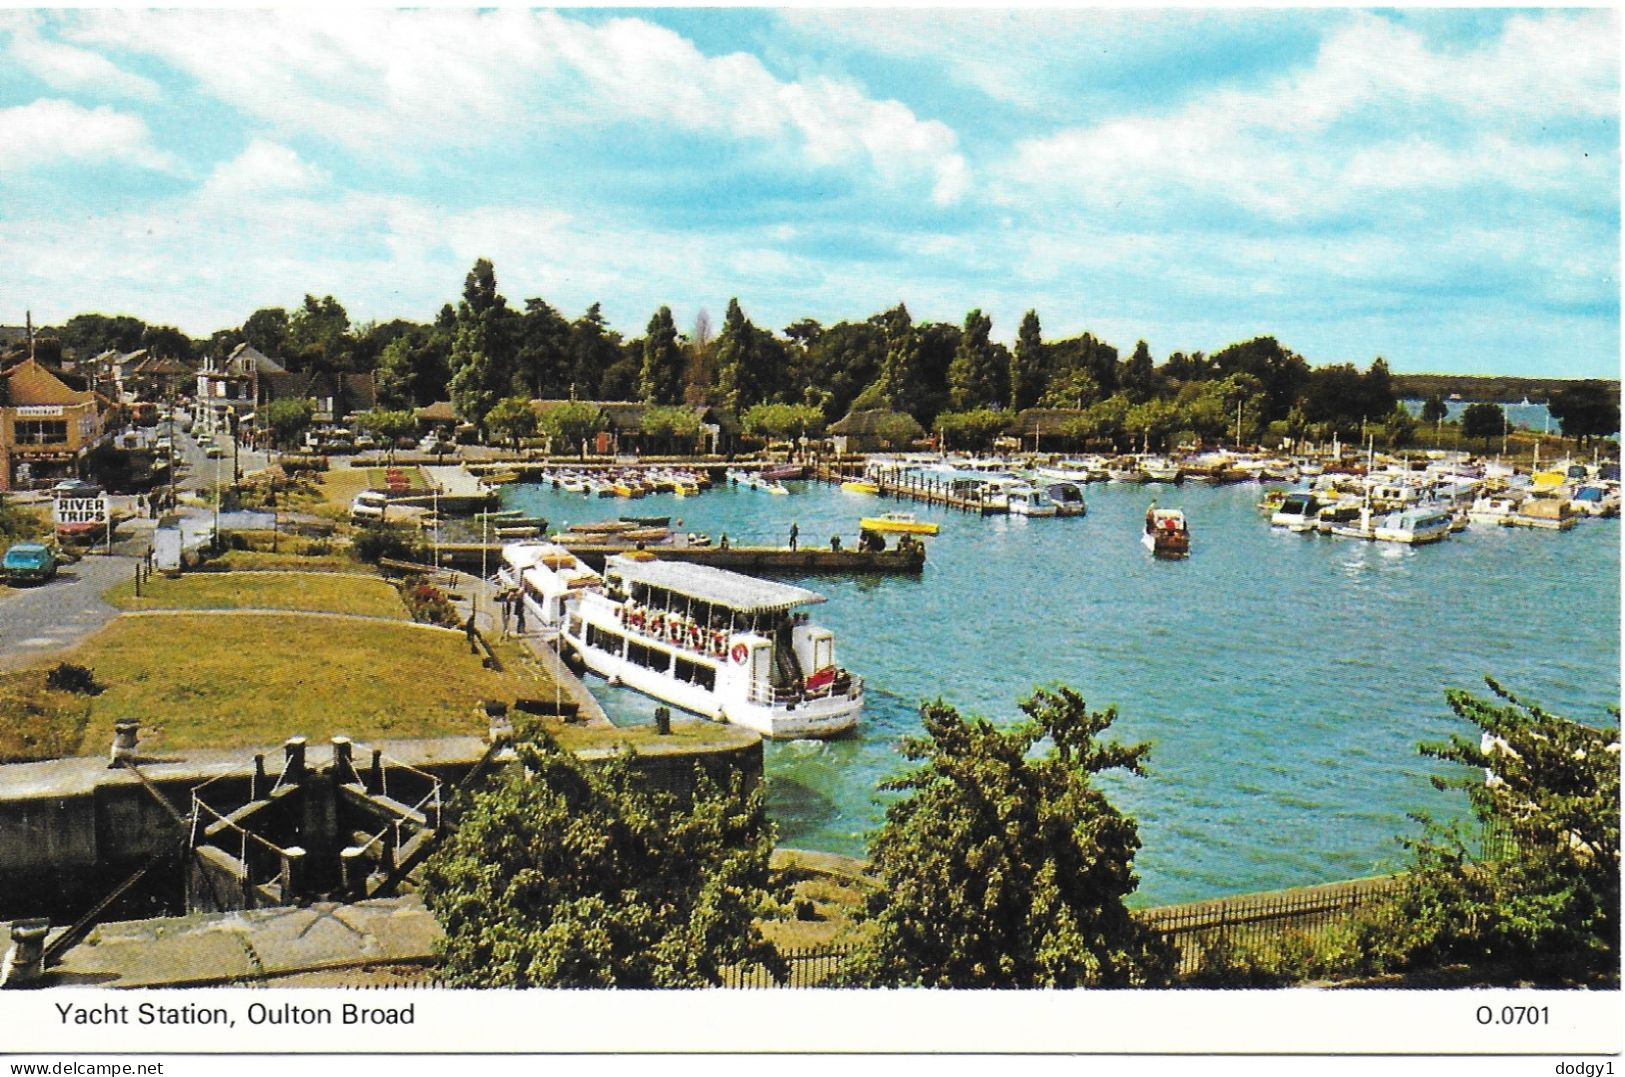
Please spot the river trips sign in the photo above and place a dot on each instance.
(73, 513)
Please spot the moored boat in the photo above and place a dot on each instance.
(1024, 500)
(1067, 498)
(860, 486)
(898, 523)
(716, 643)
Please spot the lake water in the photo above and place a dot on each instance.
(1283, 680)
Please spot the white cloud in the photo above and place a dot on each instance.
(1378, 114)
(263, 168)
(394, 83)
(63, 67)
(51, 132)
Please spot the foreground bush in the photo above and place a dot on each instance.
(565, 875)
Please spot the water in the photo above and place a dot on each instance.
(1283, 680)
(1520, 416)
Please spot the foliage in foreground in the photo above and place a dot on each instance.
(1544, 909)
(1007, 868)
(1524, 893)
(569, 875)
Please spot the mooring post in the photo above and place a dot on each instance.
(24, 961)
(352, 871)
(293, 753)
(125, 732)
(343, 766)
(293, 874)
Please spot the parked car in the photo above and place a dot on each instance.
(213, 451)
(29, 562)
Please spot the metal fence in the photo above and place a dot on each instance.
(1201, 927)
(807, 968)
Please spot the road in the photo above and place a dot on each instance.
(40, 620)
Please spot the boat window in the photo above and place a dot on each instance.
(604, 640)
(649, 657)
(696, 673)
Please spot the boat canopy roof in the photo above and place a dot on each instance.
(717, 586)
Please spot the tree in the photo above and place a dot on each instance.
(594, 348)
(542, 360)
(167, 341)
(1399, 428)
(976, 378)
(662, 376)
(1028, 367)
(319, 336)
(266, 331)
(388, 426)
(1541, 903)
(750, 362)
(511, 419)
(565, 875)
(484, 346)
(1586, 409)
(1434, 409)
(672, 425)
(1483, 421)
(782, 421)
(415, 369)
(287, 419)
(972, 430)
(1139, 377)
(571, 424)
(87, 335)
(1283, 373)
(1004, 867)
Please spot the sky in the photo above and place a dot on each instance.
(1437, 187)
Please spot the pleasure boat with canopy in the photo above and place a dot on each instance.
(719, 644)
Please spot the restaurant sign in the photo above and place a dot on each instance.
(39, 411)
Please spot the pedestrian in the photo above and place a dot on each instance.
(472, 633)
(519, 614)
(795, 532)
(506, 598)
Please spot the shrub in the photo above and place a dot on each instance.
(374, 544)
(67, 677)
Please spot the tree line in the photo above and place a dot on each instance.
(953, 379)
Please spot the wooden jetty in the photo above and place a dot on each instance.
(768, 560)
(913, 487)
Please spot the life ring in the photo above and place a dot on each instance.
(740, 653)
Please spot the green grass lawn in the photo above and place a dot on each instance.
(308, 591)
(37, 722)
(202, 680)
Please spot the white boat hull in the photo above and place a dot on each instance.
(826, 717)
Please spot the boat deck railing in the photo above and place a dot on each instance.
(844, 686)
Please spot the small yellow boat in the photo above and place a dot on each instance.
(860, 486)
(898, 522)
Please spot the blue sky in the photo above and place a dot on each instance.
(1437, 187)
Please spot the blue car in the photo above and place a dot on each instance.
(29, 562)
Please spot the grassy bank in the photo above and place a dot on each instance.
(223, 680)
(38, 722)
(287, 590)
